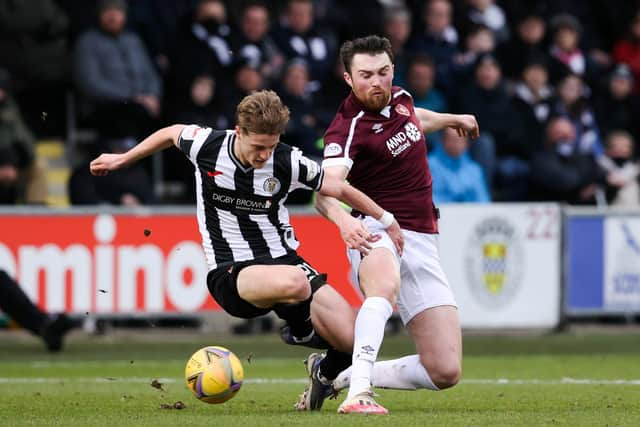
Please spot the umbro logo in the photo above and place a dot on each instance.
(377, 128)
(214, 173)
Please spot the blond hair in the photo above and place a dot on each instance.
(262, 113)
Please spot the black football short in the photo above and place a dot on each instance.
(223, 284)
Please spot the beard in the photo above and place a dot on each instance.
(376, 102)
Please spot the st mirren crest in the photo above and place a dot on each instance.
(271, 185)
(401, 109)
(494, 261)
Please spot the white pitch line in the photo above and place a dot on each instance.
(578, 381)
(471, 381)
(45, 364)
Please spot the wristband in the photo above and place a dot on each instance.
(386, 219)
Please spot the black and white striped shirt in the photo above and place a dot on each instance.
(241, 212)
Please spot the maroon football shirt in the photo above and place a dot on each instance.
(386, 154)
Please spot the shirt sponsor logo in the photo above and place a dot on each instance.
(401, 109)
(271, 185)
(402, 140)
(494, 262)
(332, 149)
(413, 132)
(398, 143)
(232, 203)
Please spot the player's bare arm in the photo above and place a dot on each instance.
(464, 124)
(155, 142)
(353, 231)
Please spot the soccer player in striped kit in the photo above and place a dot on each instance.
(243, 177)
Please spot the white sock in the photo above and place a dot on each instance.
(406, 373)
(369, 332)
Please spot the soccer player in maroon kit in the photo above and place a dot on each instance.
(377, 142)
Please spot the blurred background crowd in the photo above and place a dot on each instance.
(554, 84)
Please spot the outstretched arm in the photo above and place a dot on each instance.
(465, 124)
(157, 141)
(353, 231)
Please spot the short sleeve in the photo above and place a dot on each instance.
(305, 173)
(338, 142)
(191, 140)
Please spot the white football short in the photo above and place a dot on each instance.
(423, 284)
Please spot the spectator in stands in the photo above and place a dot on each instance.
(34, 49)
(566, 56)
(202, 48)
(616, 107)
(334, 91)
(456, 178)
(572, 103)
(156, 22)
(627, 50)
(297, 36)
(22, 177)
(564, 171)
(527, 42)
(354, 18)
(116, 77)
(397, 28)
(439, 39)
(623, 188)
(253, 43)
(129, 187)
(487, 98)
(302, 130)
(488, 13)
(532, 97)
(246, 79)
(205, 107)
(50, 327)
(479, 40)
(421, 75)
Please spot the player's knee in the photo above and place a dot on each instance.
(384, 289)
(445, 374)
(296, 287)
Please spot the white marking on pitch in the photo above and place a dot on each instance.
(471, 381)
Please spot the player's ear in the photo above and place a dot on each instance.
(347, 78)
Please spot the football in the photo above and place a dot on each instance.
(214, 374)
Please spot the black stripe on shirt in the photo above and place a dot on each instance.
(249, 228)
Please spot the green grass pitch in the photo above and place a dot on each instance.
(576, 379)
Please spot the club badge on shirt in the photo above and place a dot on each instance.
(401, 109)
(271, 185)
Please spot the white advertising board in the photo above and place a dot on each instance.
(621, 291)
(503, 263)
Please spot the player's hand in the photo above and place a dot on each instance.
(106, 163)
(356, 235)
(395, 233)
(467, 126)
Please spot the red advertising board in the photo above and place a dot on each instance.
(125, 263)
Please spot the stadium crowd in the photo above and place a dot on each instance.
(555, 86)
